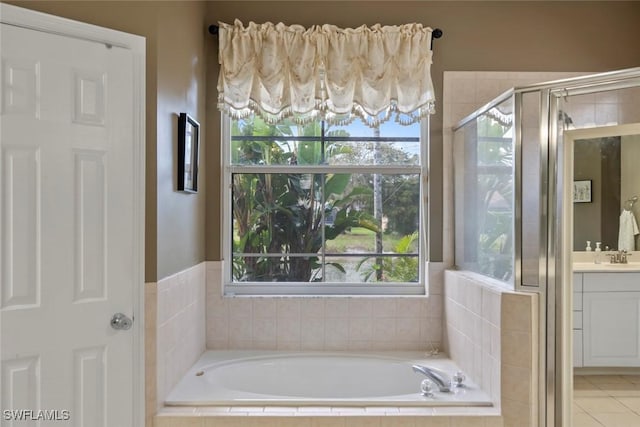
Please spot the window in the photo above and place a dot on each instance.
(483, 150)
(323, 209)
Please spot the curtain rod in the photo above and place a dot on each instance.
(435, 34)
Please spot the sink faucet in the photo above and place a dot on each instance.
(620, 257)
(440, 378)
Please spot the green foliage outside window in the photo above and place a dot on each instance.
(284, 222)
(495, 199)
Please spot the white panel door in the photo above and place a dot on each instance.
(67, 230)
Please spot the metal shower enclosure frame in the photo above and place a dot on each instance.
(553, 248)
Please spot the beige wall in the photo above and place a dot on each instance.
(478, 36)
(175, 33)
(181, 88)
(182, 58)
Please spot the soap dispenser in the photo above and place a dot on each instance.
(588, 249)
(597, 254)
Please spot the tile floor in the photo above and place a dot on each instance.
(606, 401)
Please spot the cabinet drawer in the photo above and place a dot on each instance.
(611, 282)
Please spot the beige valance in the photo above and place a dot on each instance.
(279, 71)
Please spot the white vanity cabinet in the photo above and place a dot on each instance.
(610, 319)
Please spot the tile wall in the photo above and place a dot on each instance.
(492, 335)
(472, 328)
(180, 328)
(519, 373)
(150, 343)
(605, 108)
(323, 323)
(449, 417)
(466, 91)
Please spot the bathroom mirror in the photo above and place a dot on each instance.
(607, 158)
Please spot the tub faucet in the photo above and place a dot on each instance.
(440, 378)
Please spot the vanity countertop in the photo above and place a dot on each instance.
(605, 267)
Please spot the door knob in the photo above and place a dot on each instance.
(121, 321)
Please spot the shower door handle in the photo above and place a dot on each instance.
(121, 321)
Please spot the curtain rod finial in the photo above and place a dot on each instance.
(213, 29)
(437, 33)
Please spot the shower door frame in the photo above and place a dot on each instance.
(559, 243)
(555, 363)
(555, 243)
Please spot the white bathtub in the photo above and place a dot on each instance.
(262, 378)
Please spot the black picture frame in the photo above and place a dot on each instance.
(188, 148)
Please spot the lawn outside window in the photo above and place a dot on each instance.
(321, 209)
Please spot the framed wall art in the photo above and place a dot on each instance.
(188, 144)
(582, 191)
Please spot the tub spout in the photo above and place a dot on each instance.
(438, 377)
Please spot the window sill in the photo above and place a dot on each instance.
(324, 289)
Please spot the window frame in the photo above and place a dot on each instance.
(231, 288)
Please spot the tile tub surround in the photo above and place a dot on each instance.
(323, 323)
(508, 342)
(519, 358)
(150, 342)
(492, 333)
(180, 327)
(473, 330)
(327, 417)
